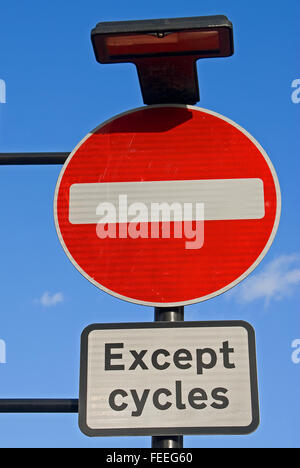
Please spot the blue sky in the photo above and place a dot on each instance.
(55, 94)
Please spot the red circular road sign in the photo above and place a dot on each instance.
(167, 205)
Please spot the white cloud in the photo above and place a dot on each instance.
(48, 300)
(276, 281)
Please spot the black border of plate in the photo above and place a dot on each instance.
(156, 431)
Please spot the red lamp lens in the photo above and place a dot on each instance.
(118, 46)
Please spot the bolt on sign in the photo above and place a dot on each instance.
(167, 205)
(168, 378)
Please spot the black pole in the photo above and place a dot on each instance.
(168, 314)
(39, 405)
(10, 159)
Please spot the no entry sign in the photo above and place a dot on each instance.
(168, 378)
(167, 205)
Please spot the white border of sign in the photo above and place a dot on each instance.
(208, 296)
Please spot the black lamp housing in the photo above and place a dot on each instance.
(165, 52)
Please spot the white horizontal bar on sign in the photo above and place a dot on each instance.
(223, 199)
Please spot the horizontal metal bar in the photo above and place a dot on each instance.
(38, 406)
(32, 158)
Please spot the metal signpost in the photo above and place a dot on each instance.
(166, 205)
